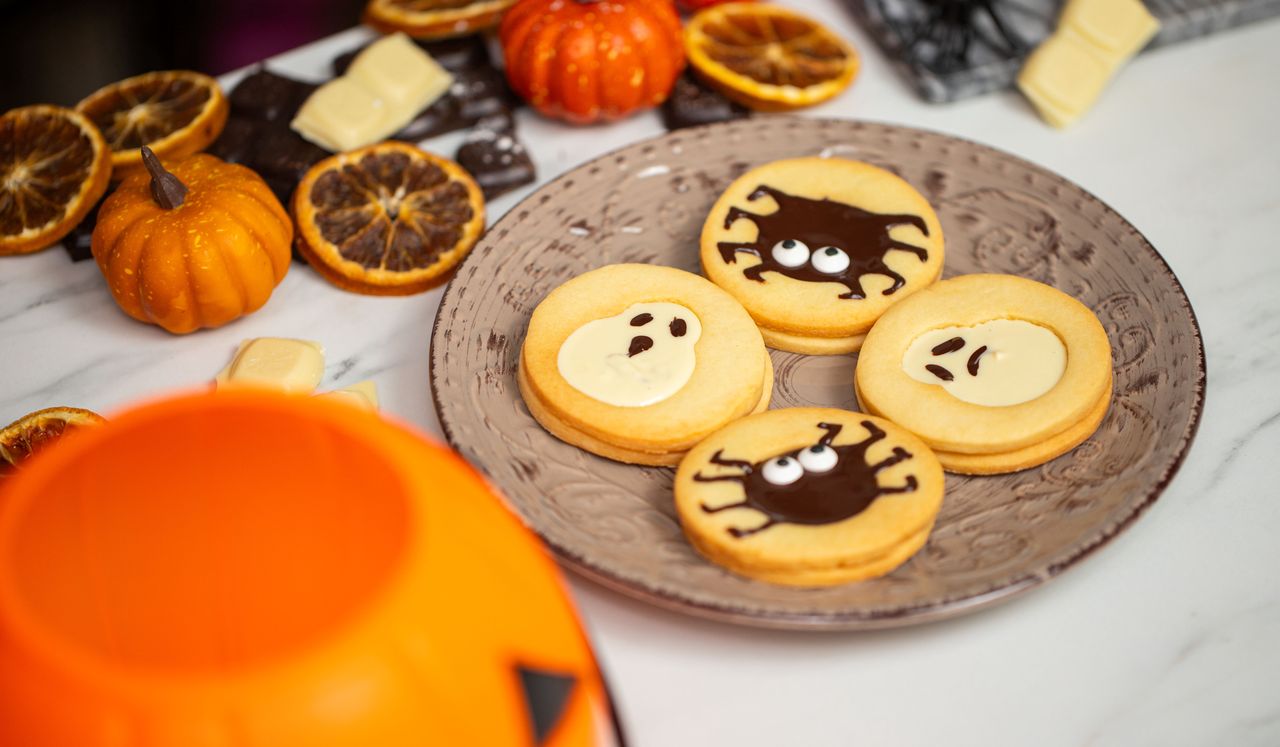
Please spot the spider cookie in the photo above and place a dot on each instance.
(997, 373)
(817, 249)
(809, 496)
(638, 363)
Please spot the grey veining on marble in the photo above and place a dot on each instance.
(1169, 636)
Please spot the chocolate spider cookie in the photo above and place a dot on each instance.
(638, 363)
(996, 373)
(809, 496)
(817, 249)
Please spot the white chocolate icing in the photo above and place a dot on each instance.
(1022, 361)
(595, 358)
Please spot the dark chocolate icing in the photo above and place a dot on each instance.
(863, 236)
(817, 496)
(639, 320)
(955, 343)
(639, 344)
(940, 372)
(973, 360)
(678, 327)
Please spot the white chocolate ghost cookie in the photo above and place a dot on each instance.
(997, 363)
(996, 373)
(638, 362)
(633, 359)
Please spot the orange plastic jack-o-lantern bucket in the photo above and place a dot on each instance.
(250, 570)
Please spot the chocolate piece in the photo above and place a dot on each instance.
(940, 372)
(693, 103)
(678, 327)
(441, 117)
(843, 490)
(639, 320)
(461, 53)
(639, 344)
(861, 234)
(482, 92)
(955, 343)
(497, 161)
(266, 96)
(973, 360)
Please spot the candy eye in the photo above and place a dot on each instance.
(790, 253)
(830, 260)
(782, 470)
(820, 458)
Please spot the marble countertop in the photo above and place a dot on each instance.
(1169, 636)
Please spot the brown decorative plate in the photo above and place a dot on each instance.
(996, 536)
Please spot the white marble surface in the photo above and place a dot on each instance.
(1170, 636)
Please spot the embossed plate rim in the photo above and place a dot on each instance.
(852, 618)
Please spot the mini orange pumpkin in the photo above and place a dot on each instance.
(591, 60)
(196, 247)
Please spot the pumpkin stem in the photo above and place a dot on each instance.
(166, 189)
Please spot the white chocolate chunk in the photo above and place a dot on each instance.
(363, 395)
(340, 115)
(1065, 75)
(383, 90)
(291, 366)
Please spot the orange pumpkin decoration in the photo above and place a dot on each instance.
(327, 579)
(196, 247)
(590, 60)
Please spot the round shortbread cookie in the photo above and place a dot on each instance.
(898, 555)
(811, 345)
(985, 364)
(819, 248)
(643, 358)
(570, 435)
(806, 490)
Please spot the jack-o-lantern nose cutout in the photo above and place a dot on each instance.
(545, 694)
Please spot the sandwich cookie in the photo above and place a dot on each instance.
(997, 373)
(638, 363)
(809, 496)
(817, 249)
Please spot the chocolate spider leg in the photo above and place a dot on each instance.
(764, 190)
(874, 433)
(899, 454)
(736, 213)
(729, 251)
(726, 507)
(880, 268)
(717, 458)
(904, 219)
(832, 429)
(854, 284)
(923, 254)
(756, 273)
(740, 533)
(909, 487)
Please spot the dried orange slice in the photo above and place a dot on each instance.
(54, 166)
(434, 19)
(768, 58)
(387, 220)
(176, 113)
(37, 431)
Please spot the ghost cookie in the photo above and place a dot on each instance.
(638, 363)
(997, 373)
(817, 249)
(809, 496)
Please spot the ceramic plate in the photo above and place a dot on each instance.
(995, 537)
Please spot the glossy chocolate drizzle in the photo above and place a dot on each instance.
(817, 497)
(861, 234)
